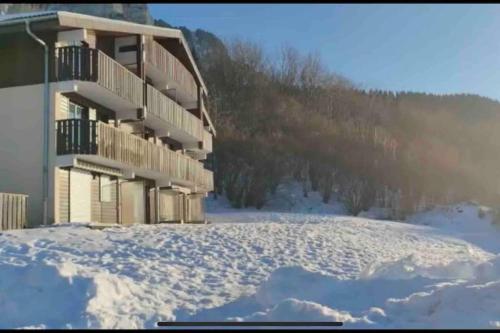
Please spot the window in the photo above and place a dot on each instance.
(75, 111)
(92, 114)
(127, 48)
(106, 187)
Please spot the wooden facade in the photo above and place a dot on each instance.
(13, 211)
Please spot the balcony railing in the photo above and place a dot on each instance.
(89, 137)
(209, 179)
(207, 141)
(174, 114)
(86, 64)
(160, 58)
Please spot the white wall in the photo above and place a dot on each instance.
(21, 147)
(21, 126)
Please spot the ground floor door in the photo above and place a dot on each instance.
(195, 210)
(79, 195)
(170, 206)
(104, 199)
(133, 202)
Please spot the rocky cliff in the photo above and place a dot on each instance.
(134, 12)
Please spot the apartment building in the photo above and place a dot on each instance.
(102, 120)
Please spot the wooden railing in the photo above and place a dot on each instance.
(13, 211)
(97, 138)
(171, 112)
(86, 64)
(209, 180)
(207, 141)
(160, 58)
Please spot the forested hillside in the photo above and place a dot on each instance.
(290, 118)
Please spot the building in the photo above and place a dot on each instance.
(118, 134)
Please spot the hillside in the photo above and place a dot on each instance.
(291, 119)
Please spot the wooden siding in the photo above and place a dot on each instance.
(63, 195)
(195, 208)
(104, 211)
(95, 208)
(13, 211)
(109, 213)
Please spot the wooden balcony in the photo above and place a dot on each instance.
(168, 117)
(170, 75)
(122, 88)
(207, 141)
(127, 151)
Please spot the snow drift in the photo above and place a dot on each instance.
(268, 266)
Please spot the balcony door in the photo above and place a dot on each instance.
(79, 195)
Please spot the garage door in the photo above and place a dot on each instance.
(170, 208)
(133, 205)
(80, 190)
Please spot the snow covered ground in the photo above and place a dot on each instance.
(256, 266)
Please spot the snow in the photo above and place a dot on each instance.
(288, 198)
(257, 266)
(465, 221)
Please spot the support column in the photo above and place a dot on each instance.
(141, 72)
(157, 205)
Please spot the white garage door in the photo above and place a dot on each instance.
(80, 189)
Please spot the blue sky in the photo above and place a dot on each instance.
(419, 47)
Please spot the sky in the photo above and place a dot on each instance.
(429, 48)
